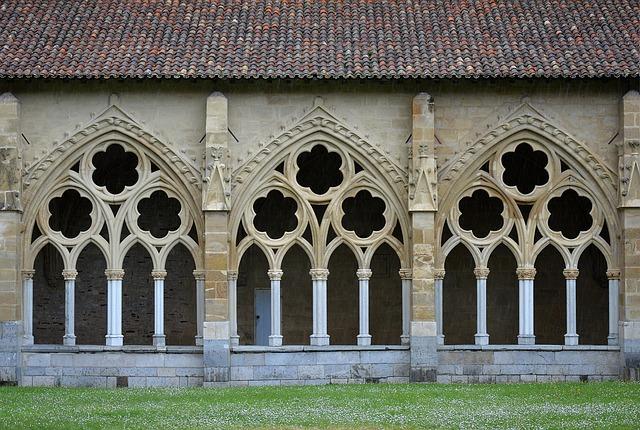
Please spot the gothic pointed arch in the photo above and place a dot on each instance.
(316, 174)
(113, 184)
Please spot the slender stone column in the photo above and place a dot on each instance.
(159, 338)
(114, 307)
(69, 276)
(438, 275)
(525, 287)
(320, 337)
(364, 338)
(275, 339)
(481, 337)
(570, 276)
(232, 278)
(614, 287)
(406, 275)
(27, 305)
(199, 276)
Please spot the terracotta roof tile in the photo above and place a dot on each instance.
(319, 39)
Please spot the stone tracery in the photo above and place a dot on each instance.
(565, 208)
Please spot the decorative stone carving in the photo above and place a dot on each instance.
(571, 273)
(526, 272)
(114, 274)
(481, 272)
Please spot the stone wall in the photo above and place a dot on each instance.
(543, 363)
(98, 367)
(315, 366)
(9, 347)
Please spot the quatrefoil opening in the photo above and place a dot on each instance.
(115, 169)
(570, 214)
(319, 169)
(363, 214)
(481, 214)
(159, 214)
(275, 214)
(525, 168)
(70, 214)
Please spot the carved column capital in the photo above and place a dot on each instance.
(406, 274)
(232, 275)
(274, 274)
(319, 274)
(613, 274)
(526, 272)
(198, 275)
(363, 274)
(571, 273)
(28, 274)
(439, 274)
(114, 274)
(69, 274)
(481, 272)
(158, 274)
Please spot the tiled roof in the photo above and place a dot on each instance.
(319, 39)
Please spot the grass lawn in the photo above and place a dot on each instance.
(579, 405)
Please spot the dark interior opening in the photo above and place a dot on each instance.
(70, 214)
(570, 214)
(592, 298)
(319, 169)
(459, 297)
(363, 214)
(137, 297)
(502, 297)
(180, 316)
(550, 304)
(385, 297)
(48, 297)
(252, 275)
(342, 297)
(524, 168)
(159, 214)
(115, 169)
(91, 297)
(275, 214)
(481, 213)
(296, 298)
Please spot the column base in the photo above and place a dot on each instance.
(571, 339)
(235, 340)
(199, 341)
(482, 339)
(319, 340)
(405, 339)
(69, 339)
(27, 340)
(440, 339)
(526, 339)
(364, 339)
(114, 340)
(159, 340)
(275, 340)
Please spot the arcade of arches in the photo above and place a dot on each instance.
(320, 242)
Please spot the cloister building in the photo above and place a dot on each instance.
(237, 192)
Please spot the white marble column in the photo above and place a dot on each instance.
(320, 337)
(438, 276)
(405, 277)
(199, 277)
(481, 337)
(159, 338)
(27, 305)
(69, 276)
(275, 339)
(114, 335)
(232, 281)
(525, 289)
(570, 276)
(614, 286)
(364, 338)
